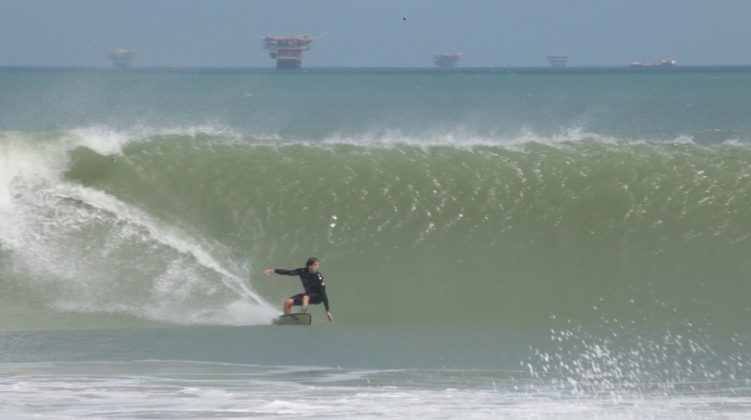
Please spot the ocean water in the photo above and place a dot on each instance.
(497, 243)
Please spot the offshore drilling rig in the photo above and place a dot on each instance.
(287, 49)
(447, 60)
(121, 57)
(557, 60)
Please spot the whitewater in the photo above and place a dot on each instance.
(495, 243)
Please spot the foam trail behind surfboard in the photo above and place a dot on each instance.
(81, 249)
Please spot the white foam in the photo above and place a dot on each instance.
(100, 139)
(466, 138)
(45, 220)
(109, 141)
(182, 390)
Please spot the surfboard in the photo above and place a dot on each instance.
(294, 319)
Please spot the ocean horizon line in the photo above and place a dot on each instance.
(391, 69)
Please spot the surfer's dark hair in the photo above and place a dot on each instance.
(311, 261)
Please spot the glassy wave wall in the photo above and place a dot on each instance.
(177, 226)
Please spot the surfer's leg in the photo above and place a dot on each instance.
(288, 306)
(305, 300)
(295, 300)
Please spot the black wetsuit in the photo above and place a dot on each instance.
(313, 284)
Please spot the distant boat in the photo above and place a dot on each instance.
(447, 60)
(557, 60)
(664, 63)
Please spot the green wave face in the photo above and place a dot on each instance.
(647, 233)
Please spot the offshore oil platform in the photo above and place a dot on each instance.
(447, 60)
(287, 49)
(557, 60)
(121, 57)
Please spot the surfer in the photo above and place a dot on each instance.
(312, 282)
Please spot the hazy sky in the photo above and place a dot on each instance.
(374, 33)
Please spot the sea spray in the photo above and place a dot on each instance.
(76, 249)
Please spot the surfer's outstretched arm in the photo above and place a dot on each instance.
(270, 271)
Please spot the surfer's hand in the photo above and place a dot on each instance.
(330, 317)
(269, 271)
